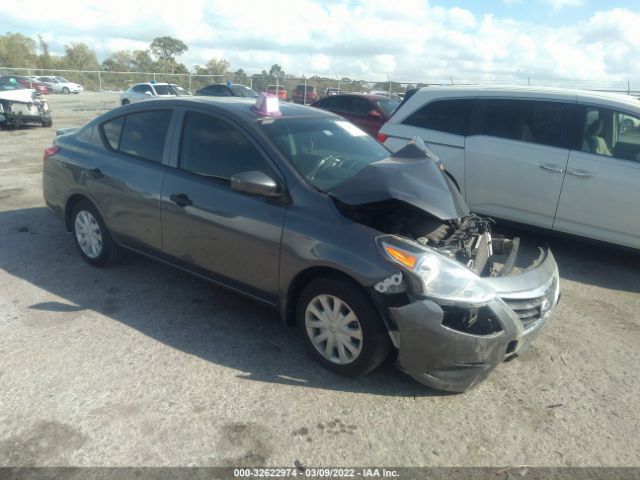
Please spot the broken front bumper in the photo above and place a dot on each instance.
(18, 113)
(447, 358)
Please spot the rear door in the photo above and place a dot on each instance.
(125, 179)
(230, 237)
(601, 191)
(515, 159)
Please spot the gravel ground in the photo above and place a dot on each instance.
(141, 364)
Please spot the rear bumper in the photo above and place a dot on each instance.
(444, 358)
(11, 118)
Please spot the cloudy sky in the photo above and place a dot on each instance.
(409, 40)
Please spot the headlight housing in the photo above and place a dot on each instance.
(438, 277)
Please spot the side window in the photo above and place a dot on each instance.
(112, 131)
(144, 134)
(360, 106)
(450, 116)
(331, 103)
(138, 89)
(214, 148)
(219, 90)
(597, 131)
(611, 133)
(501, 119)
(543, 123)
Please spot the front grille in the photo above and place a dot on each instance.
(531, 310)
(528, 311)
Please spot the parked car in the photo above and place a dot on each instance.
(369, 112)
(305, 94)
(327, 92)
(19, 105)
(61, 85)
(364, 251)
(227, 90)
(150, 90)
(552, 158)
(28, 82)
(282, 92)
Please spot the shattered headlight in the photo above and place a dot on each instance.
(438, 277)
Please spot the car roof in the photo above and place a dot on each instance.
(427, 94)
(368, 96)
(236, 107)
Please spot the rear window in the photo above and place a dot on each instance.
(140, 134)
(450, 116)
(387, 106)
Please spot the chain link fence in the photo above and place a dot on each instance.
(108, 84)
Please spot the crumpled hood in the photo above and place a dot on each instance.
(22, 95)
(410, 175)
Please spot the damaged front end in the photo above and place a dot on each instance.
(464, 299)
(20, 107)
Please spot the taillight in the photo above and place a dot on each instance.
(50, 152)
(381, 137)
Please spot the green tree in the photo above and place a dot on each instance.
(239, 76)
(17, 50)
(166, 49)
(120, 61)
(79, 56)
(276, 71)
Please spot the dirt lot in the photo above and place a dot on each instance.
(141, 364)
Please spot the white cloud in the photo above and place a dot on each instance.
(560, 4)
(409, 40)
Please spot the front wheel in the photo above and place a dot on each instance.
(65, 90)
(91, 235)
(125, 102)
(341, 327)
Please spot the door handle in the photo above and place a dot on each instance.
(180, 199)
(95, 173)
(580, 174)
(551, 168)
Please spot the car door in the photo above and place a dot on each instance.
(601, 191)
(125, 178)
(515, 158)
(211, 229)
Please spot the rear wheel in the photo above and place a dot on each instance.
(341, 327)
(125, 102)
(91, 235)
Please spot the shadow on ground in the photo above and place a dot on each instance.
(195, 317)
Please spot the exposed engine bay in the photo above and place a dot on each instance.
(469, 240)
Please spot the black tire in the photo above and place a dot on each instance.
(376, 344)
(125, 102)
(47, 123)
(65, 90)
(109, 250)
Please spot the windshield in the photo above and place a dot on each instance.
(242, 91)
(181, 92)
(164, 90)
(387, 106)
(8, 85)
(325, 151)
(62, 80)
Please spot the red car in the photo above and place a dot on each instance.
(282, 92)
(28, 82)
(369, 112)
(299, 95)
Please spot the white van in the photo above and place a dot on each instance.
(567, 160)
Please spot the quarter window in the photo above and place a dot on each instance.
(112, 131)
(611, 133)
(450, 116)
(214, 148)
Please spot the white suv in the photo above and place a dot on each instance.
(147, 91)
(566, 160)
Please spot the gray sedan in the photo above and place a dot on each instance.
(369, 254)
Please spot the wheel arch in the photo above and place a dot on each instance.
(71, 203)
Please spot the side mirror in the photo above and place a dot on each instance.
(374, 114)
(255, 183)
